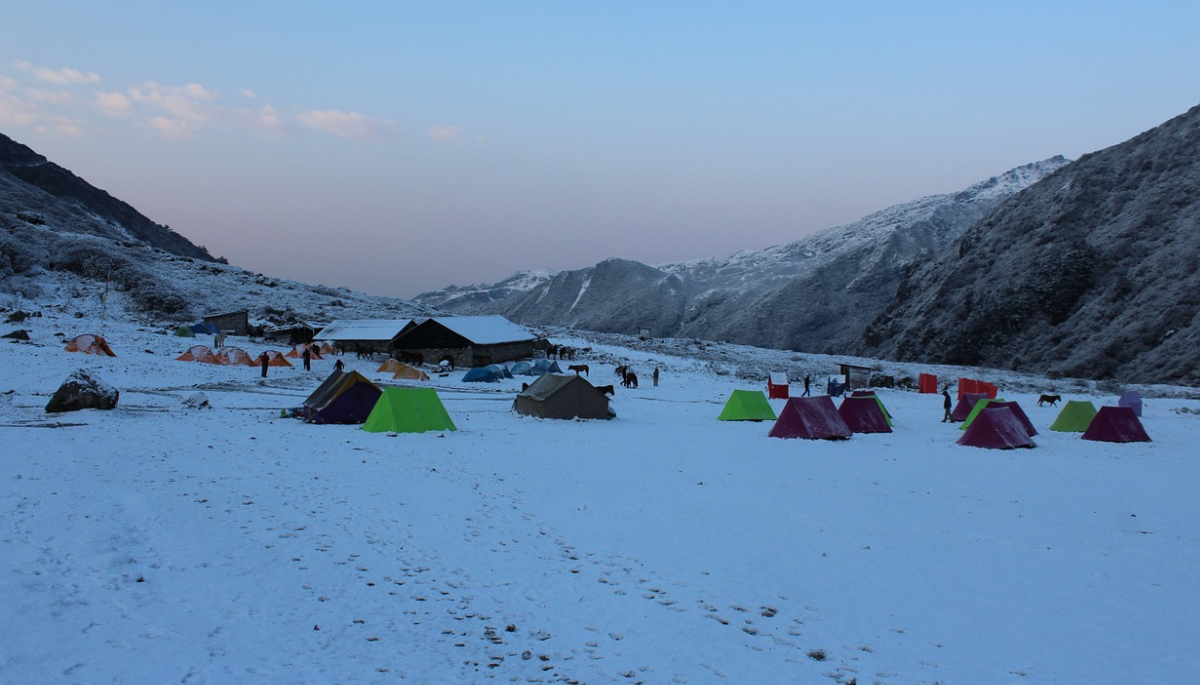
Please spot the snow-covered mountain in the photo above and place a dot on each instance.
(66, 242)
(815, 294)
(1093, 272)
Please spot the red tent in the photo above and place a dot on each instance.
(965, 404)
(813, 418)
(863, 414)
(1116, 424)
(996, 428)
(970, 385)
(928, 383)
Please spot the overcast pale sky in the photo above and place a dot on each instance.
(397, 147)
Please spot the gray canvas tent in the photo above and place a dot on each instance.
(562, 397)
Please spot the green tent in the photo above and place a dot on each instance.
(1075, 417)
(979, 406)
(185, 332)
(747, 405)
(408, 410)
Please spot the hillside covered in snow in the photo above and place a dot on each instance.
(815, 294)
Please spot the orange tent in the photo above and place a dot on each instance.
(410, 373)
(298, 351)
(197, 353)
(232, 356)
(90, 344)
(276, 359)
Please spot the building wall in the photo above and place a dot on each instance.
(236, 322)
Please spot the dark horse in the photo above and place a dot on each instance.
(630, 380)
(1052, 399)
(607, 389)
(579, 367)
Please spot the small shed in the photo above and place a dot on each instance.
(237, 323)
(777, 385)
(856, 376)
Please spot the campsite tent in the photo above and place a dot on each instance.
(965, 404)
(343, 397)
(90, 344)
(393, 365)
(864, 414)
(483, 374)
(297, 351)
(185, 332)
(1016, 409)
(927, 382)
(408, 410)
(410, 373)
(970, 385)
(1075, 417)
(555, 396)
(813, 418)
(777, 385)
(196, 353)
(996, 427)
(1116, 424)
(747, 405)
(535, 367)
(1131, 399)
(872, 394)
(232, 356)
(275, 358)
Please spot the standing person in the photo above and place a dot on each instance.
(807, 382)
(263, 360)
(339, 365)
(946, 405)
(655, 376)
(307, 359)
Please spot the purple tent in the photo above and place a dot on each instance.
(863, 414)
(963, 409)
(813, 418)
(996, 428)
(344, 397)
(1116, 424)
(1131, 399)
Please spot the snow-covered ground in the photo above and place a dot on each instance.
(159, 544)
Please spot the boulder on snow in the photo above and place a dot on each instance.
(18, 335)
(82, 390)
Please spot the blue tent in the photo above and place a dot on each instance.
(501, 369)
(483, 374)
(210, 328)
(537, 367)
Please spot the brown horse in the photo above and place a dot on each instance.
(579, 367)
(630, 380)
(1052, 399)
(607, 390)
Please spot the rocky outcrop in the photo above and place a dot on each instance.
(83, 390)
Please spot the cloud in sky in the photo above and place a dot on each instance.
(348, 124)
(174, 112)
(445, 134)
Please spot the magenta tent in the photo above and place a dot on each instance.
(812, 418)
(864, 415)
(996, 428)
(1116, 424)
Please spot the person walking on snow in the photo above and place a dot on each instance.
(339, 365)
(946, 404)
(807, 381)
(264, 361)
(307, 360)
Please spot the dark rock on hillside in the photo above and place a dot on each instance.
(1094, 272)
(37, 192)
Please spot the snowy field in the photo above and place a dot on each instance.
(159, 544)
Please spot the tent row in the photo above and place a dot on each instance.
(348, 397)
(988, 423)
